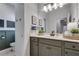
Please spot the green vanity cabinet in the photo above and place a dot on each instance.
(45, 47)
(52, 47)
(48, 50)
(48, 47)
(34, 47)
(6, 37)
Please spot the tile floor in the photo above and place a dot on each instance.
(7, 52)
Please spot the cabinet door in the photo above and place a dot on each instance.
(69, 52)
(34, 49)
(3, 41)
(46, 50)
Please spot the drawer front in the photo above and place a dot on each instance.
(50, 41)
(69, 52)
(34, 49)
(33, 39)
(47, 50)
(72, 45)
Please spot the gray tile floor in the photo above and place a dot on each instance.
(9, 54)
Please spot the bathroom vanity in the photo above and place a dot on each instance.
(42, 45)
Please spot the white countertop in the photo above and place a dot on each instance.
(58, 37)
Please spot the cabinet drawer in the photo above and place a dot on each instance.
(47, 50)
(50, 41)
(72, 45)
(34, 43)
(33, 39)
(69, 52)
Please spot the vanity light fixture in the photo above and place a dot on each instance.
(45, 9)
(55, 6)
(49, 6)
(61, 4)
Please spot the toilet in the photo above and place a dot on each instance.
(12, 46)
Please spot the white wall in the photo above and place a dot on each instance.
(30, 10)
(19, 25)
(78, 11)
(74, 11)
(7, 12)
(41, 13)
(23, 28)
(54, 16)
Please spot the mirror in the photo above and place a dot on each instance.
(57, 18)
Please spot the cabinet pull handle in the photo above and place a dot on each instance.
(73, 46)
(66, 52)
(48, 47)
(36, 44)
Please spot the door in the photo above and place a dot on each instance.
(47, 50)
(3, 41)
(34, 49)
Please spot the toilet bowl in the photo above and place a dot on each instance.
(13, 46)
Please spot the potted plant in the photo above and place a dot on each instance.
(75, 33)
(74, 30)
(41, 31)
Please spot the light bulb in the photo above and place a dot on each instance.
(61, 4)
(55, 6)
(45, 9)
(49, 7)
